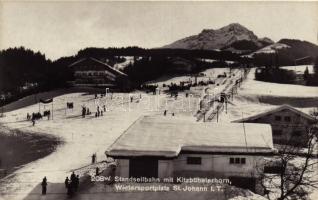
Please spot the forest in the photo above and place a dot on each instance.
(24, 72)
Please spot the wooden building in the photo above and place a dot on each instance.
(289, 125)
(94, 73)
(157, 147)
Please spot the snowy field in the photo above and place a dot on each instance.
(84, 136)
(123, 65)
(208, 74)
(253, 87)
(256, 96)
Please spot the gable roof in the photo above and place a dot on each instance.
(278, 109)
(163, 136)
(108, 67)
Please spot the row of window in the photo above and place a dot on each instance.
(286, 118)
(237, 160)
(198, 161)
(91, 73)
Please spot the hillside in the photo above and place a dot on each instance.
(300, 48)
(233, 37)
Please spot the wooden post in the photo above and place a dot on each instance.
(232, 94)
(217, 114)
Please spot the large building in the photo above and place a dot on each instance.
(94, 73)
(164, 147)
(289, 125)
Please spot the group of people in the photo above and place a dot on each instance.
(33, 117)
(100, 112)
(72, 184)
(85, 111)
(165, 113)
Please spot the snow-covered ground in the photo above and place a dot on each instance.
(253, 87)
(123, 65)
(270, 49)
(85, 136)
(209, 74)
(256, 96)
(82, 136)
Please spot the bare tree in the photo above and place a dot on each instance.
(290, 174)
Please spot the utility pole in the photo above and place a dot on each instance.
(226, 105)
(217, 114)
(232, 93)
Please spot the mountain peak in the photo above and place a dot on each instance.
(234, 26)
(221, 38)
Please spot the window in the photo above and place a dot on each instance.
(194, 160)
(287, 119)
(278, 118)
(297, 133)
(237, 160)
(277, 132)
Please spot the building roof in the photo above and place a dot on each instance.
(278, 109)
(167, 137)
(108, 67)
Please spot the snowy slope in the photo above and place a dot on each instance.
(270, 48)
(254, 87)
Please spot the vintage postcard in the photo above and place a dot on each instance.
(173, 100)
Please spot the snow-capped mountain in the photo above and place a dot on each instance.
(233, 37)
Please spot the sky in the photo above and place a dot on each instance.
(62, 28)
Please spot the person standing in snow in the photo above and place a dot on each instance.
(93, 158)
(66, 182)
(44, 185)
(97, 171)
(76, 183)
(73, 176)
(69, 190)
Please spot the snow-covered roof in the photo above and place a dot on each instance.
(100, 62)
(278, 109)
(167, 137)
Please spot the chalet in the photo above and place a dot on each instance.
(289, 125)
(94, 73)
(156, 147)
